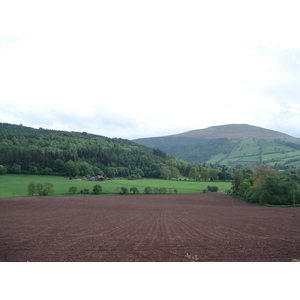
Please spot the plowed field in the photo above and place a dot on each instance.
(214, 227)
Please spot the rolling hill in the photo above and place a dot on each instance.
(231, 145)
(234, 131)
(53, 152)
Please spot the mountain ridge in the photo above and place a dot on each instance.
(231, 145)
(234, 131)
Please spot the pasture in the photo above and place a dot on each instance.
(16, 185)
(146, 228)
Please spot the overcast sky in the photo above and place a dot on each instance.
(132, 69)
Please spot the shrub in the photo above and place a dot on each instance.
(3, 170)
(97, 189)
(134, 190)
(47, 171)
(148, 190)
(212, 188)
(124, 190)
(84, 191)
(16, 169)
(31, 188)
(73, 190)
(44, 189)
(163, 190)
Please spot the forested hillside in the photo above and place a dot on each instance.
(42, 151)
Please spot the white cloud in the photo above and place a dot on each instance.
(148, 69)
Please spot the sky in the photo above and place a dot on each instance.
(134, 69)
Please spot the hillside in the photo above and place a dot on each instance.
(42, 151)
(234, 131)
(231, 145)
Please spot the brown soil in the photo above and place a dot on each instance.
(164, 228)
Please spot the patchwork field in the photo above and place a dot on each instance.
(164, 228)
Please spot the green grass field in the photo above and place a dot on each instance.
(16, 185)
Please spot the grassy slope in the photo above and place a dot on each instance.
(16, 185)
(231, 145)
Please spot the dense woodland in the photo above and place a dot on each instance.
(265, 185)
(40, 151)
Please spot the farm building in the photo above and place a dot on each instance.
(97, 178)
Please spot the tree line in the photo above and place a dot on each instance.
(265, 185)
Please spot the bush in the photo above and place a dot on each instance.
(47, 171)
(134, 190)
(124, 190)
(97, 189)
(31, 188)
(3, 170)
(16, 169)
(44, 189)
(73, 190)
(148, 190)
(84, 191)
(212, 188)
(163, 190)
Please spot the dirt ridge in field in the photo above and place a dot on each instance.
(164, 228)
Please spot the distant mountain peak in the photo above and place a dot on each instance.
(234, 131)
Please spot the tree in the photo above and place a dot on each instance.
(134, 190)
(85, 169)
(222, 176)
(204, 174)
(71, 168)
(3, 170)
(124, 190)
(193, 173)
(165, 172)
(238, 177)
(47, 171)
(58, 166)
(31, 188)
(162, 190)
(261, 173)
(73, 190)
(44, 189)
(148, 190)
(175, 173)
(97, 189)
(213, 173)
(16, 168)
(32, 168)
(111, 172)
(243, 187)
